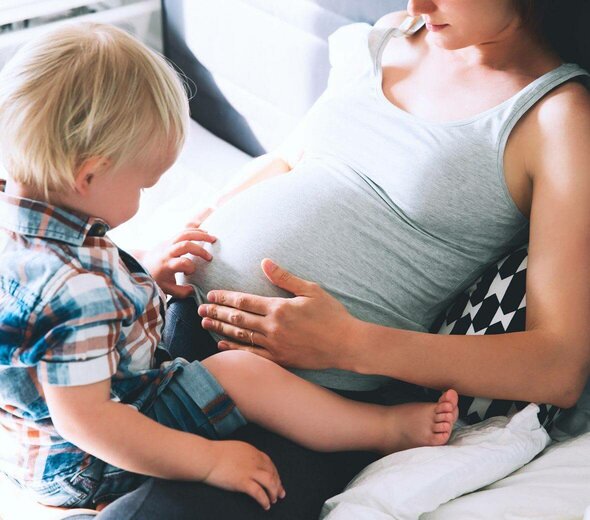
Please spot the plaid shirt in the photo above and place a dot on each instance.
(74, 310)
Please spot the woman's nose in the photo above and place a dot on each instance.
(418, 7)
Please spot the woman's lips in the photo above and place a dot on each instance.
(434, 27)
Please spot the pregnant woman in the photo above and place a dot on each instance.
(428, 157)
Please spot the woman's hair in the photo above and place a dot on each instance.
(563, 24)
(82, 91)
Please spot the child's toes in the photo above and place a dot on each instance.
(444, 407)
(447, 417)
(443, 427)
(450, 396)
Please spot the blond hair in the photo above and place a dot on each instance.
(82, 91)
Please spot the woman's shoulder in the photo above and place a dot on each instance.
(564, 110)
(569, 99)
(558, 126)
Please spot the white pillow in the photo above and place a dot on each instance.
(406, 484)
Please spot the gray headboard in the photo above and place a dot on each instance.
(258, 65)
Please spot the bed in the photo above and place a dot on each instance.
(227, 48)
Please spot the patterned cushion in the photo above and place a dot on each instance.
(494, 304)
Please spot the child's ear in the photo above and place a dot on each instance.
(87, 172)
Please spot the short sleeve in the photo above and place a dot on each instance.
(78, 332)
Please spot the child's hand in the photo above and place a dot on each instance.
(241, 467)
(167, 259)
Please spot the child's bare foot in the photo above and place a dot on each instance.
(421, 424)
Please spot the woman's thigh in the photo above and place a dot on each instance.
(183, 335)
(309, 479)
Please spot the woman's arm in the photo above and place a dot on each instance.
(259, 169)
(278, 162)
(314, 331)
(549, 363)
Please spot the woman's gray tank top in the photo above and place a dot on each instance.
(392, 214)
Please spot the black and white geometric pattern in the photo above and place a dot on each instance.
(495, 304)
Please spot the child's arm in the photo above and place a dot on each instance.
(123, 437)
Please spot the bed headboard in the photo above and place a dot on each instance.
(258, 65)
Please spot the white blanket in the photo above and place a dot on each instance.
(406, 484)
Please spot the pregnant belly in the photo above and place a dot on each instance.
(319, 225)
(293, 219)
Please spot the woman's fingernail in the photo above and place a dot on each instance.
(211, 296)
(202, 311)
(223, 345)
(207, 322)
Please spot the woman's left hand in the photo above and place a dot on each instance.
(307, 331)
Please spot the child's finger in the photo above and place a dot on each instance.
(197, 235)
(270, 482)
(178, 291)
(185, 247)
(182, 265)
(257, 492)
(268, 466)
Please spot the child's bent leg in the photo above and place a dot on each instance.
(321, 420)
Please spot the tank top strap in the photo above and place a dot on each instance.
(524, 100)
(378, 37)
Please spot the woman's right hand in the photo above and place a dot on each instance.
(313, 330)
(241, 467)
